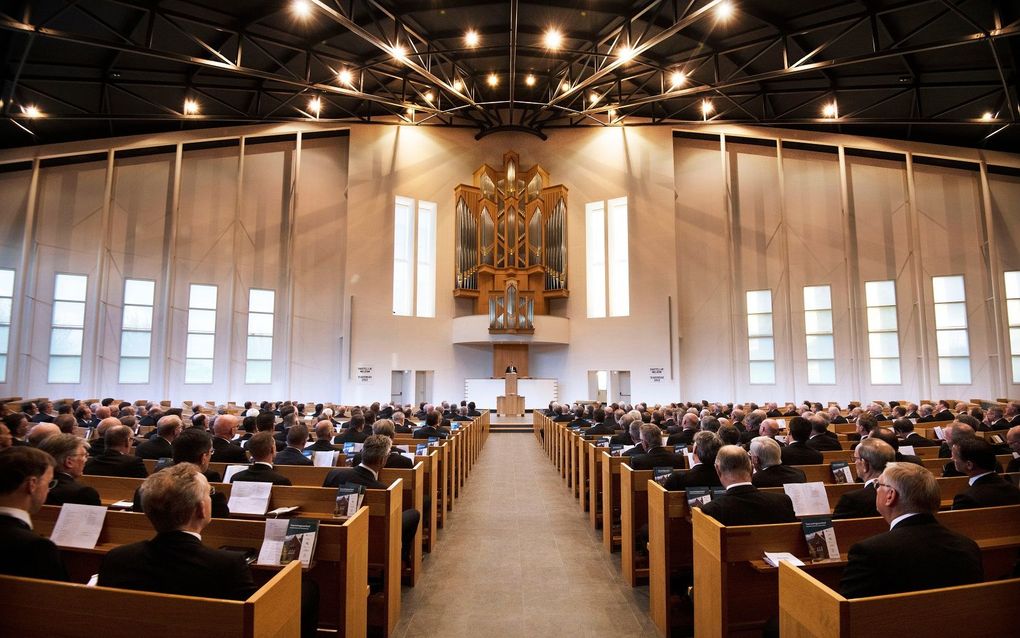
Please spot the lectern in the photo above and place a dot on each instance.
(510, 403)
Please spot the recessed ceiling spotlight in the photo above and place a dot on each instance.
(593, 97)
(429, 96)
(724, 10)
(677, 79)
(31, 111)
(315, 106)
(190, 107)
(529, 79)
(626, 53)
(611, 112)
(458, 85)
(706, 108)
(398, 52)
(552, 39)
(471, 38)
(410, 111)
(492, 80)
(987, 116)
(830, 110)
(565, 86)
(345, 76)
(301, 8)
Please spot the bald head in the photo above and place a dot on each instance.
(225, 426)
(323, 430)
(40, 432)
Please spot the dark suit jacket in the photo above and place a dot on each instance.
(823, 442)
(563, 418)
(777, 475)
(155, 448)
(177, 563)
(357, 475)
(991, 490)
(1001, 424)
(656, 457)
(599, 428)
(226, 452)
(623, 438)
(857, 504)
(70, 491)
(261, 473)
(917, 554)
(97, 447)
(701, 475)
(323, 446)
(41, 418)
(27, 554)
(746, 505)
(944, 415)
(350, 436)
(917, 440)
(113, 463)
(402, 429)
(291, 456)
(1014, 466)
(839, 419)
(683, 437)
(800, 454)
(926, 419)
(426, 432)
(395, 460)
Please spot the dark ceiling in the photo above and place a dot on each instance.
(932, 70)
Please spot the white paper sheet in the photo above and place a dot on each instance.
(773, 558)
(231, 470)
(78, 525)
(908, 450)
(809, 499)
(324, 458)
(249, 497)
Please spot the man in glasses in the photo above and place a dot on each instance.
(870, 459)
(25, 477)
(70, 454)
(917, 552)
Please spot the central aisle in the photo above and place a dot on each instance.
(518, 558)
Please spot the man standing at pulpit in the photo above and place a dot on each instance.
(511, 368)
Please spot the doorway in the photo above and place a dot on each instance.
(598, 385)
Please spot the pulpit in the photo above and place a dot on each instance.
(510, 403)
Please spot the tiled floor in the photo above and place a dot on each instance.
(518, 558)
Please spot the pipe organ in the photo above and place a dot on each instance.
(511, 244)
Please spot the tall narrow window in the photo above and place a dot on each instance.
(1013, 318)
(198, 365)
(67, 328)
(951, 337)
(760, 343)
(607, 258)
(261, 305)
(136, 330)
(883, 335)
(6, 304)
(821, 356)
(414, 258)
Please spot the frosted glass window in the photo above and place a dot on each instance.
(821, 355)
(1013, 319)
(426, 274)
(261, 304)
(618, 258)
(595, 258)
(883, 335)
(951, 338)
(67, 328)
(201, 346)
(6, 303)
(760, 345)
(136, 330)
(403, 257)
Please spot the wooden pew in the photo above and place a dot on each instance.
(728, 565)
(84, 612)
(595, 457)
(340, 564)
(807, 608)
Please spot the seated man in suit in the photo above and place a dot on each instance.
(976, 458)
(702, 473)
(430, 429)
(396, 460)
(262, 447)
(797, 451)
(744, 504)
(293, 454)
(995, 419)
(870, 459)
(1013, 441)
(600, 427)
(1012, 413)
(374, 455)
(400, 425)
(25, 477)
(161, 445)
(69, 452)
(117, 459)
(633, 433)
(767, 460)
(655, 455)
(822, 438)
(461, 414)
(889, 437)
(224, 449)
(354, 432)
(689, 425)
(917, 552)
(40, 432)
(195, 446)
(323, 437)
(905, 429)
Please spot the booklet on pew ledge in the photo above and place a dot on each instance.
(78, 525)
(280, 511)
(907, 450)
(773, 558)
(809, 499)
(348, 500)
(603, 442)
(163, 463)
(122, 505)
(231, 470)
(324, 458)
(249, 497)
(841, 472)
(287, 540)
(661, 474)
(821, 538)
(940, 432)
(698, 496)
(422, 449)
(351, 448)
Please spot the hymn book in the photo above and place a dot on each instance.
(661, 474)
(287, 540)
(821, 538)
(348, 500)
(78, 525)
(698, 496)
(773, 558)
(841, 472)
